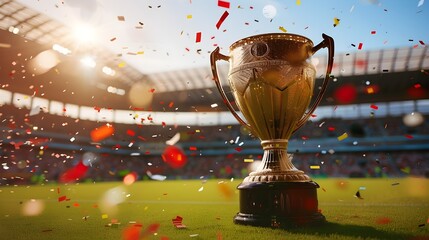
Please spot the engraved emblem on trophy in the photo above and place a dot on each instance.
(272, 83)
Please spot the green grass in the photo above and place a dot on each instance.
(209, 212)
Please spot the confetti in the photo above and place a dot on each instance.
(395, 184)
(408, 136)
(193, 235)
(248, 160)
(298, 2)
(223, 4)
(62, 198)
(201, 189)
(342, 137)
(383, 220)
(360, 46)
(421, 2)
(213, 105)
(222, 19)
(336, 21)
(198, 37)
(373, 32)
(192, 148)
(315, 167)
(358, 195)
(189, 16)
(131, 133)
(177, 222)
(121, 18)
(421, 42)
(282, 29)
(102, 132)
(104, 216)
(375, 107)
(173, 140)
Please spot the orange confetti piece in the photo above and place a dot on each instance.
(193, 148)
(121, 18)
(171, 104)
(102, 132)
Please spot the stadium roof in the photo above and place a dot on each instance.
(389, 71)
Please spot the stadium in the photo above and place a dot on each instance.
(113, 128)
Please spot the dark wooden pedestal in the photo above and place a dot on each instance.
(279, 204)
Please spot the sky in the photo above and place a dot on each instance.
(167, 28)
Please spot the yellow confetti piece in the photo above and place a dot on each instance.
(342, 137)
(336, 22)
(121, 65)
(104, 216)
(140, 53)
(315, 167)
(146, 208)
(298, 2)
(198, 130)
(189, 16)
(248, 160)
(282, 29)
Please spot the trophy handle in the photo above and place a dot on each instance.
(329, 43)
(215, 56)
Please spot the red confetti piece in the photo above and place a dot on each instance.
(198, 37)
(132, 232)
(408, 136)
(193, 148)
(131, 132)
(221, 19)
(62, 198)
(177, 222)
(360, 46)
(373, 32)
(152, 90)
(238, 149)
(171, 104)
(421, 42)
(223, 4)
(383, 220)
(112, 39)
(331, 129)
(76, 204)
(375, 107)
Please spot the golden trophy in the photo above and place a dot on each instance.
(272, 83)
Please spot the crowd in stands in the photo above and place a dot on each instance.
(24, 162)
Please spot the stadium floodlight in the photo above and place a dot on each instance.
(107, 70)
(13, 30)
(88, 61)
(61, 49)
(84, 33)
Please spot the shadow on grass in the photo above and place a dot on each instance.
(347, 230)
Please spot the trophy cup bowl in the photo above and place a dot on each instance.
(272, 83)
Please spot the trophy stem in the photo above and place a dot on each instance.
(276, 165)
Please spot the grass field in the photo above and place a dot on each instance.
(390, 209)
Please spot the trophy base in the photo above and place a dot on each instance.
(279, 204)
